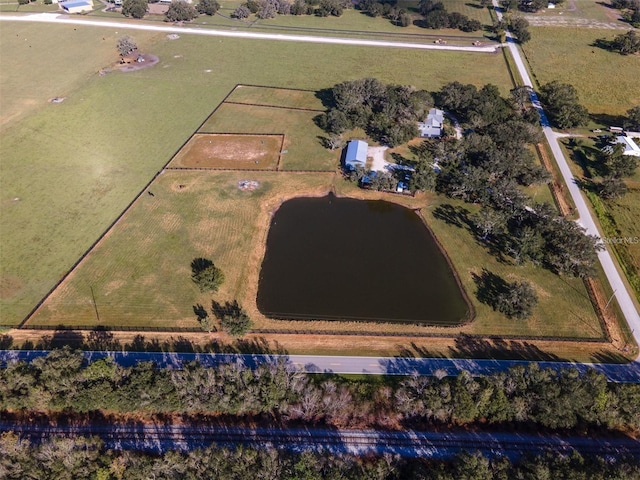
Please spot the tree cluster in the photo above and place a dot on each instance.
(437, 17)
(264, 9)
(627, 43)
(616, 167)
(181, 11)
(206, 275)
(518, 25)
(61, 458)
(387, 9)
(208, 7)
(632, 122)
(563, 105)
(387, 113)
(134, 8)
(489, 166)
(563, 399)
(630, 10)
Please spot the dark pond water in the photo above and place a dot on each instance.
(345, 259)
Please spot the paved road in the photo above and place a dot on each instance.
(122, 25)
(159, 438)
(621, 293)
(626, 373)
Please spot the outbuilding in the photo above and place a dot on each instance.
(356, 154)
(77, 6)
(432, 126)
(630, 147)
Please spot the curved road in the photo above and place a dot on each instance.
(159, 438)
(626, 303)
(66, 19)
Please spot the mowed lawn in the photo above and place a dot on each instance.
(75, 166)
(608, 83)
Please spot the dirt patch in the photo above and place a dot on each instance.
(557, 188)
(144, 61)
(10, 286)
(232, 152)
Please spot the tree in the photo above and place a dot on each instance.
(519, 26)
(561, 101)
(330, 7)
(236, 322)
(612, 187)
(126, 45)
(633, 119)
(618, 164)
(241, 12)
(134, 8)
(518, 301)
(180, 11)
(626, 43)
(206, 275)
(267, 10)
(208, 7)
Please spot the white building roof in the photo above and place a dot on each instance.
(356, 153)
(630, 147)
(432, 126)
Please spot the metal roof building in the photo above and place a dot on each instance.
(77, 6)
(356, 154)
(432, 126)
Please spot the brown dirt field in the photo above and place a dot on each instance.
(229, 152)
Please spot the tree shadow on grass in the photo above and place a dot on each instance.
(489, 287)
(456, 216)
(467, 346)
(607, 356)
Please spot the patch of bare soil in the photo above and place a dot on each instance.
(146, 60)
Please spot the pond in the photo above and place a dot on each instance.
(335, 258)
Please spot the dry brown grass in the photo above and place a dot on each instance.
(233, 152)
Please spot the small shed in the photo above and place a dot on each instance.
(77, 6)
(356, 154)
(432, 126)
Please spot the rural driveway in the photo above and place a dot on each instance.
(140, 25)
(620, 291)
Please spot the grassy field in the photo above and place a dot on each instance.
(203, 214)
(75, 166)
(618, 217)
(607, 82)
(233, 152)
(302, 148)
(356, 23)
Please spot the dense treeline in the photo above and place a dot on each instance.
(63, 381)
(387, 113)
(87, 458)
(488, 166)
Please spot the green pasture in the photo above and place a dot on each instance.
(607, 82)
(276, 97)
(564, 308)
(600, 11)
(353, 22)
(302, 147)
(76, 165)
(139, 274)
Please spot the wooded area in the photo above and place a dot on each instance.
(538, 398)
(87, 458)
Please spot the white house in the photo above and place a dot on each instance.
(432, 126)
(356, 154)
(76, 6)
